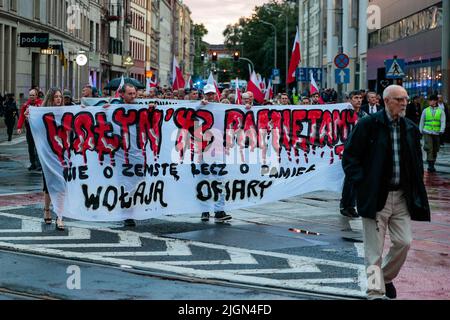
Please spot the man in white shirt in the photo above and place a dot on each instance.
(372, 106)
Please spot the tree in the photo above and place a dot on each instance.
(199, 31)
(254, 39)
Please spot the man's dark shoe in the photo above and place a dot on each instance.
(129, 223)
(32, 167)
(350, 212)
(431, 167)
(205, 216)
(391, 293)
(221, 216)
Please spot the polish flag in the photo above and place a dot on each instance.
(178, 80)
(253, 86)
(262, 85)
(314, 88)
(189, 84)
(91, 81)
(213, 82)
(153, 84)
(148, 82)
(269, 91)
(122, 83)
(238, 95)
(295, 59)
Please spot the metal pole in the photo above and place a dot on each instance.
(250, 62)
(287, 50)
(275, 41)
(446, 50)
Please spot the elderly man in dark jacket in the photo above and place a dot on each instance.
(383, 158)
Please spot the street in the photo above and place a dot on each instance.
(254, 256)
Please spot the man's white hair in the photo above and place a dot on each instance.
(387, 92)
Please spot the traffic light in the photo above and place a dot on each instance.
(214, 56)
(236, 56)
(202, 57)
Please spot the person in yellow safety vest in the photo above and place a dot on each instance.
(432, 125)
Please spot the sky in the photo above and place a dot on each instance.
(217, 14)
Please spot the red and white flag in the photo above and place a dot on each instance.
(153, 84)
(150, 84)
(295, 60)
(178, 80)
(253, 86)
(189, 84)
(262, 85)
(214, 83)
(269, 91)
(122, 83)
(238, 95)
(91, 81)
(314, 88)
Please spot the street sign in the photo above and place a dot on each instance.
(275, 73)
(342, 75)
(395, 68)
(303, 74)
(34, 40)
(341, 61)
(276, 76)
(81, 59)
(128, 61)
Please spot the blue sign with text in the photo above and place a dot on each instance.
(304, 74)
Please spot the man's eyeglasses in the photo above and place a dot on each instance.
(400, 99)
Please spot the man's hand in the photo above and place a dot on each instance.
(248, 106)
(204, 102)
(19, 131)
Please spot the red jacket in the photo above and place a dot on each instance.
(23, 109)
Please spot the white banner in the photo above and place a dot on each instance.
(111, 100)
(132, 161)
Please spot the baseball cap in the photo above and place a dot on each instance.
(209, 88)
(67, 93)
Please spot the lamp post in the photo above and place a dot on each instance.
(287, 40)
(274, 42)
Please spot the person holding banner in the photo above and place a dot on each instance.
(219, 214)
(128, 95)
(54, 98)
(33, 101)
(383, 159)
(87, 92)
(348, 199)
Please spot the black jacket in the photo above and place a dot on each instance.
(365, 107)
(367, 162)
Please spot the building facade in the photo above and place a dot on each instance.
(165, 43)
(411, 30)
(40, 41)
(330, 27)
(65, 25)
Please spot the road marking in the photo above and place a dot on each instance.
(237, 256)
(73, 234)
(14, 141)
(27, 226)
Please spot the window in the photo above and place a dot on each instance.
(428, 19)
(13, 5)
